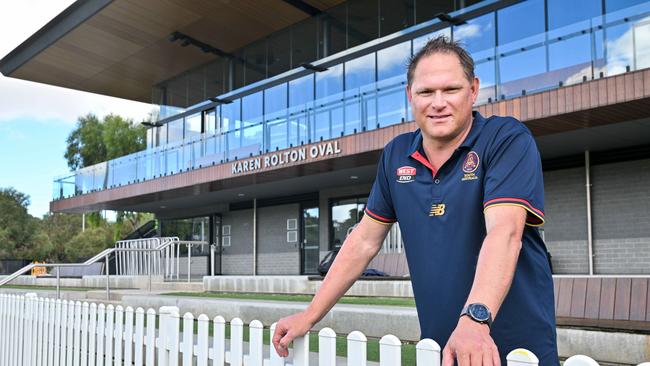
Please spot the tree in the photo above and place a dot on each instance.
(20, 237)
(60, 228)
(94, 141)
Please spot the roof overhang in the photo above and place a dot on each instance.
(121, 48)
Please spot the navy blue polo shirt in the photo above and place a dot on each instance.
(441, 216)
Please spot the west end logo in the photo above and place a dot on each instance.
(406, 174)
(470, 165)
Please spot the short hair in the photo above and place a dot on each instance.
(442, 44)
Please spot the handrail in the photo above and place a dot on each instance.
(105, 254)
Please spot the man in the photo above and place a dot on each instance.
(467, 210)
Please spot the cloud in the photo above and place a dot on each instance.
(467, 31)
(25, 99)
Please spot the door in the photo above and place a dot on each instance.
(217, 247)
(309, 244)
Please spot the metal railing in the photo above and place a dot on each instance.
(169, 245)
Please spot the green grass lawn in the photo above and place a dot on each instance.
(392, 301)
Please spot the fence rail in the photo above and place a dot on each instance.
(43, 331)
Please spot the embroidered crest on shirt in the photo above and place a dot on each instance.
(470, 165)
(437, 209)
(406, 174)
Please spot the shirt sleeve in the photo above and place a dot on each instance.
(380, 204)
(514, 176)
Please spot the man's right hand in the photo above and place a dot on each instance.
(289, 328)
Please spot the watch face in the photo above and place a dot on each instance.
(479, 312)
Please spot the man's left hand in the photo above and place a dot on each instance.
(471, 345)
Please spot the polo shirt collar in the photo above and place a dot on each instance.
(477, 125)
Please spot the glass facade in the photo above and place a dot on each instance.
(528, 47)
(346, 213)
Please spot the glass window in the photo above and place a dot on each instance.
(614, 5)
(619, 48)
(486, 73)
(214, 78)
(332, 33)
(237, 68)
(523, 71)
(329, 82)
(255, 66)
(360, 72)
(422, 40)
(209, 122)
(301, 90)
(521, 25)
(275, 99)
(175, 131)
(194, 229)
(562, 13)
(395, 15)
(304, 47)
(362, 22)
(279, 53)
(345, 215)
(478, 35)
(177, 92)
(392, 61)
(570, 58)
(252, 108)
(162, 135)
(196, 86)
(231, 115)
(193, 126)
(425, 10)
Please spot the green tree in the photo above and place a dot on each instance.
(88, 243)
(60, 228)
(20, 237)
(94, 141)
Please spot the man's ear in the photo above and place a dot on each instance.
(475, 88)
(408, 93)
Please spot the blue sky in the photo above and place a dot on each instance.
(35, 119)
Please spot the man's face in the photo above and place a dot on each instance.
(442, 97)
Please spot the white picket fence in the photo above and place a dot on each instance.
(43, 331)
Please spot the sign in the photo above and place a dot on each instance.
(279, 159)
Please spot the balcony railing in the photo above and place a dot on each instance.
(602, 46)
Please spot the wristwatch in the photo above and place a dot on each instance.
(479, 313)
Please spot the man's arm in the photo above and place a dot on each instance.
(357, 251)
(470, 343)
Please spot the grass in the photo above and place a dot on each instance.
(390, 301)
(52, 288)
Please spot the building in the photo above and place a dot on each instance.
(273, 115)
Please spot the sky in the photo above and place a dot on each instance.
(36, 119)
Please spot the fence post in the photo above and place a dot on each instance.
(139, 337)
(218, 355)
(326, 347)
(151, 338)
(187, 347)
(63, 330)
(236, 342)
(276, 360)
(101, 325)
(427, 352)
(84, 333)
(92, 334)
(110, 333)
(202, 347)
(521, 357)
(580, 360)
(41, 324)
(21, 329)
(301, 351)
(390, 351)
(166, 337)
(118, 334)
(128, 336)
(51, 325)
(30, 299)
(357, 349)
(3, 327)
(255, 344)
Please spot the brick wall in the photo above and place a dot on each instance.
(238, 258)
(621, 217)
(275, 255)
(565, 231)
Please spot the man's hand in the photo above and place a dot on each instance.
(471, 344)
(289, 328)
